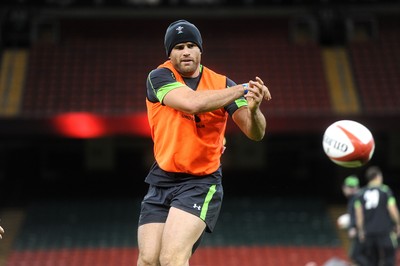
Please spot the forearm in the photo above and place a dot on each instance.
(194, 102)
(210, 100)
(394, 214)
(256, 125)
(251, 122)
(359, 219)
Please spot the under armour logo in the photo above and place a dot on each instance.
(195, 206)
(179, 29)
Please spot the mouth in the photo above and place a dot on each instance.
(186, 61)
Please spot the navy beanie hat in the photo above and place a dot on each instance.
(181, 31)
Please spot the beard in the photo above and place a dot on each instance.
(187, 68)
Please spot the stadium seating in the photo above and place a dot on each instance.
(101, 67)
(376, 66)
(251, 231)
(88, 72)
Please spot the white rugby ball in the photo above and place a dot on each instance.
(348, 143)
(343, 221)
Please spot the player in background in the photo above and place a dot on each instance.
(188, 106)
(350, 188)
(377, 220)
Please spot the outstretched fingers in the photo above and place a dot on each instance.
(265, 90)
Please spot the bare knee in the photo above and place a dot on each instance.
(175, 258)
(146, 259)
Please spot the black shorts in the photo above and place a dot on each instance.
(202, 200)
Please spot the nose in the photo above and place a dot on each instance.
(186, 50)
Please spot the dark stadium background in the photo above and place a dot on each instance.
(76, 131)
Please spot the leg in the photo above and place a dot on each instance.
(357, 253)
(170, 226)
(149, 242)
(153, 215)
(197, 244)
(389, 248)
(389, 257)
(181, 231)
(370, 250)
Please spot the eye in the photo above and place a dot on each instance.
(179, 47)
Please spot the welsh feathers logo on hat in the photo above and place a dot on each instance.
(179, 32)
(179, 29)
